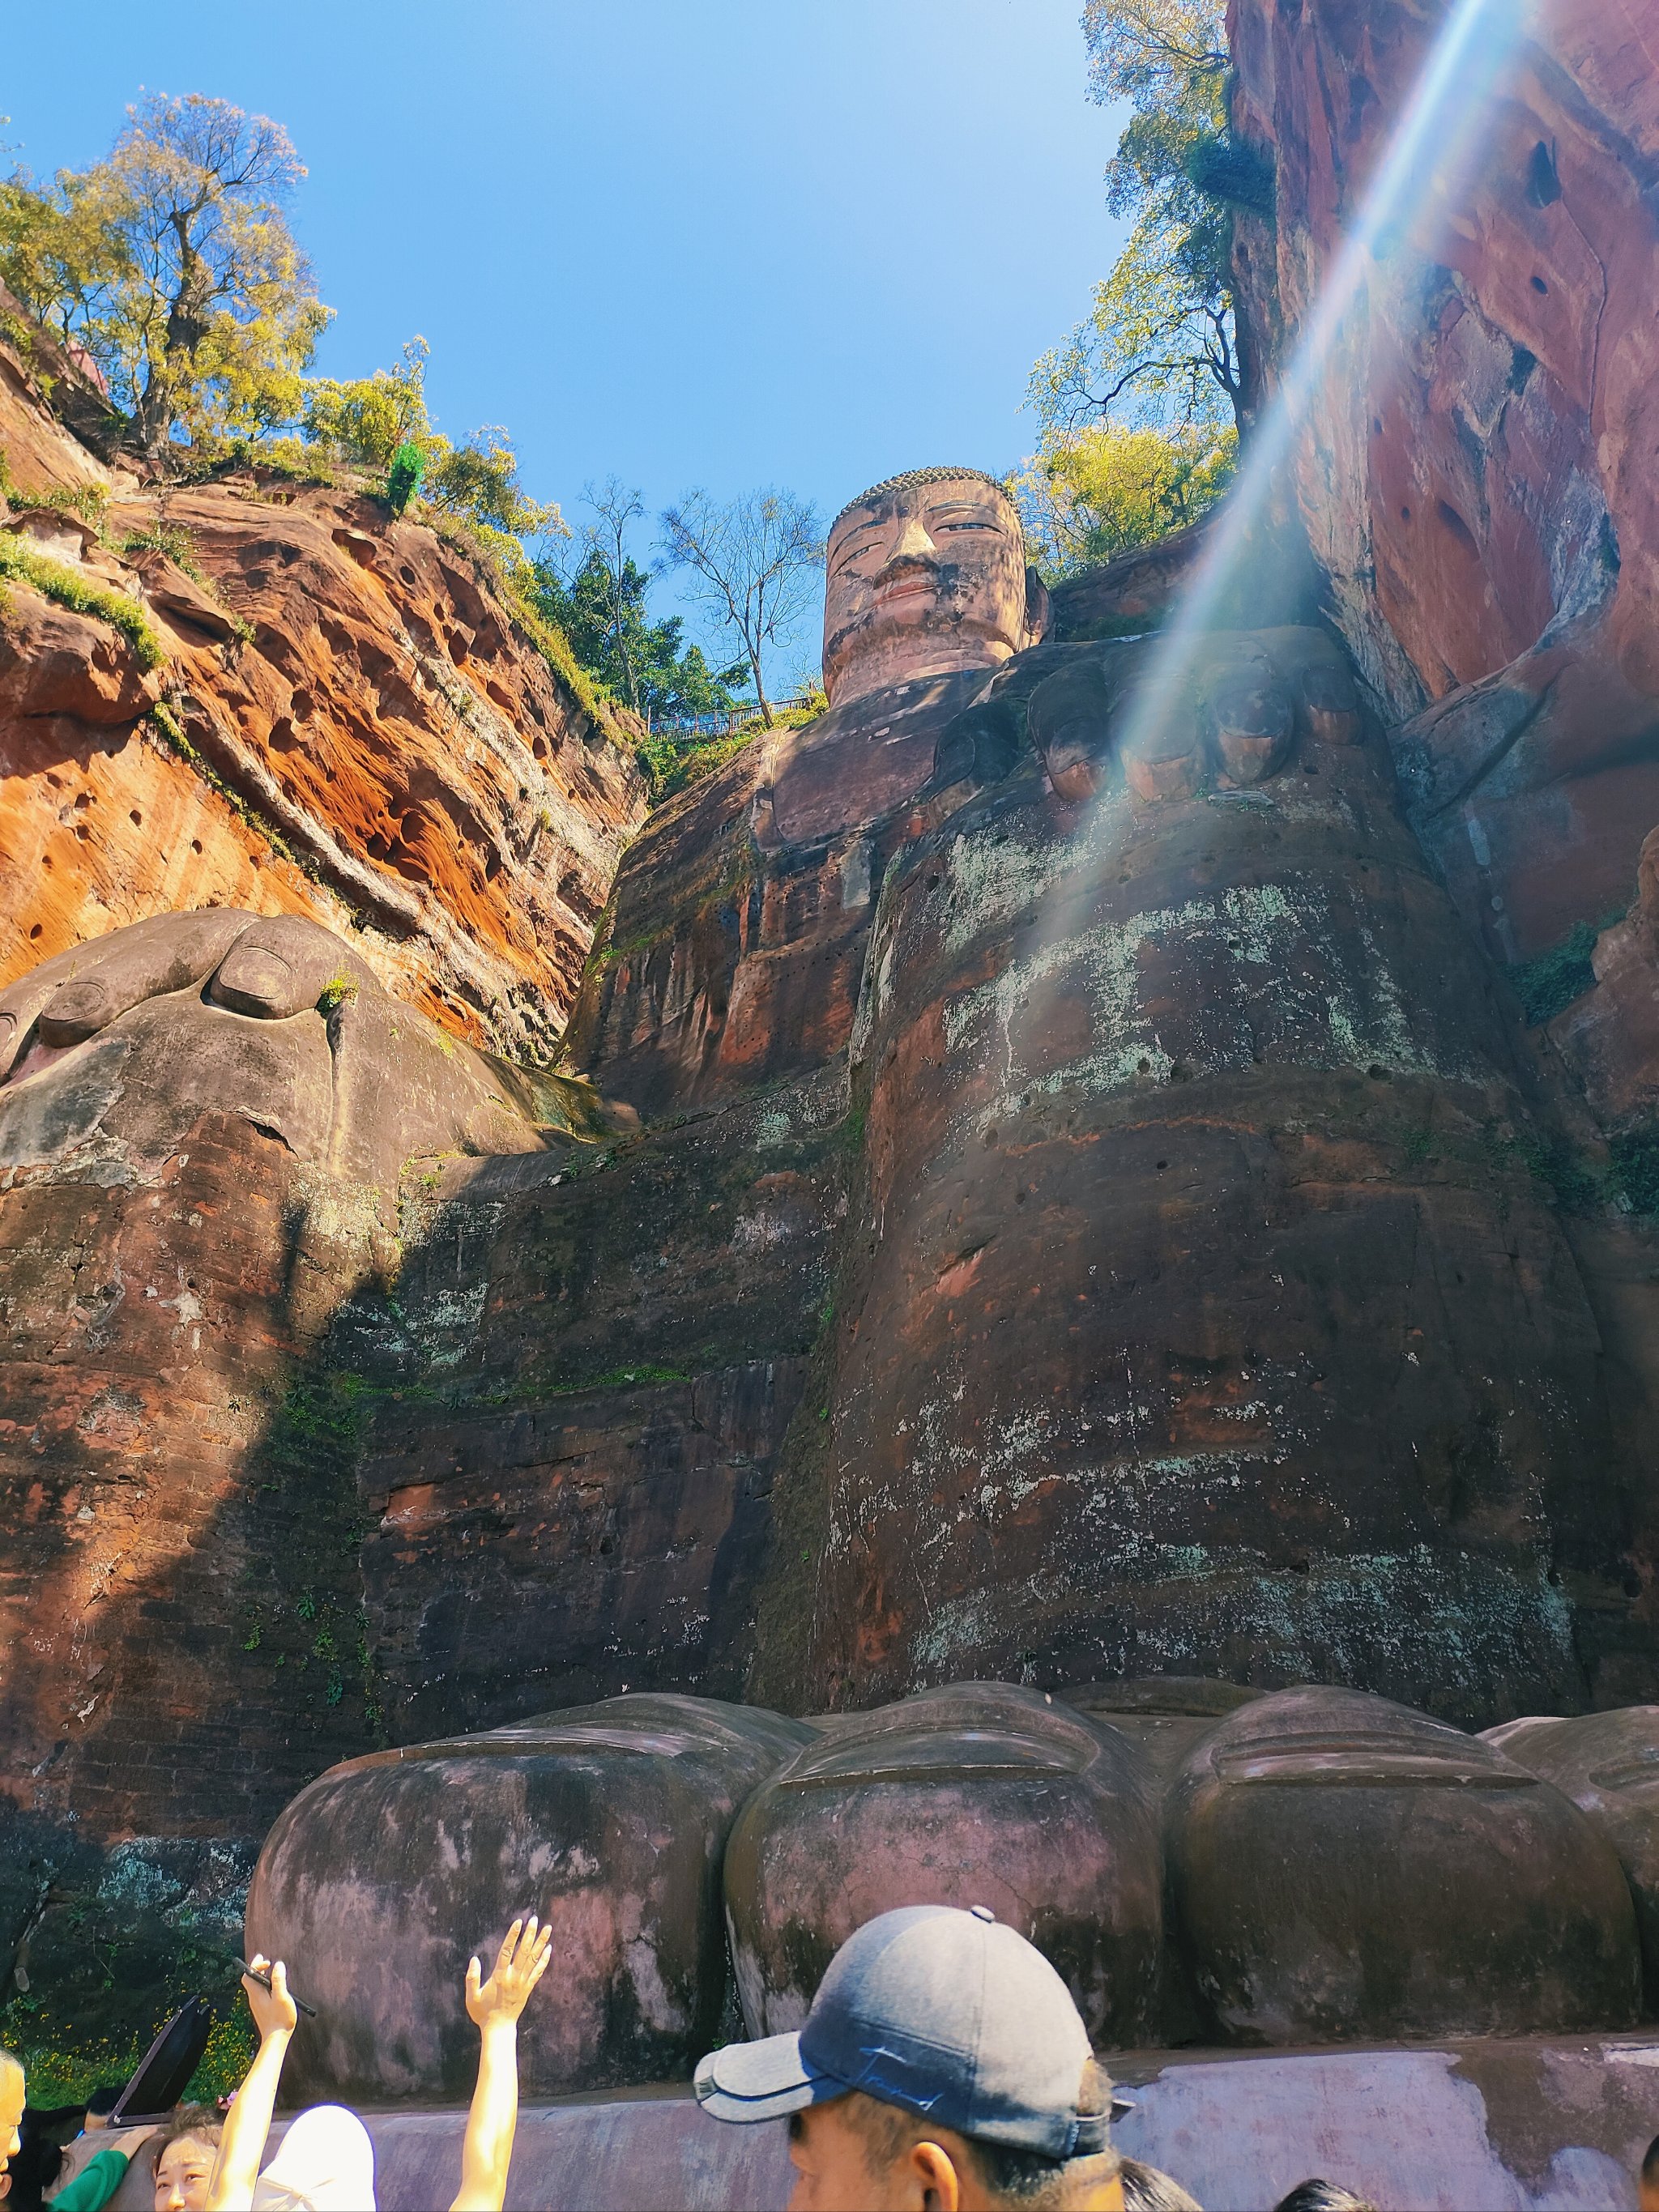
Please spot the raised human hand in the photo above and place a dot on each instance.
(274, 2010)
(520, 1965)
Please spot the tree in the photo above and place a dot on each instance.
(600, 605)
(172, 266)
(752, 561)
(367, 419)
(602, 611)
(477, 482)
(1160, 346)
(1104, 488)
(615, 505)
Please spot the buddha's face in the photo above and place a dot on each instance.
(923, 579)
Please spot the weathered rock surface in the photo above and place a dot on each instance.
(609, 1821)
(730, 953)
(1342, 1868)
(202, 1121)
(980, 1794)
(1163, 1716)
(1608, 1765)
(578, 1407)
(355, 732)
(1478, 483)
(1190, 1261)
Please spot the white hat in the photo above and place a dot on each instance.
(326, 2163)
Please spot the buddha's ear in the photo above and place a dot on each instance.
(1036, 607)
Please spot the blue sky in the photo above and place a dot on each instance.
(717, 242)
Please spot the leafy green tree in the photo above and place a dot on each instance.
(1106, 488)
(404, 477)
(603, 615)
(171, 265)
(602, 612)
(1160, 346)
(365, 420)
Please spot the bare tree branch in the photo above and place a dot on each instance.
(752, 561)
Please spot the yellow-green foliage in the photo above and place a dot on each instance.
(173, 264)
(171, 538)
(55, 581)
(62, 2067)
(1092, 493)
(335, 992)
(670, 768)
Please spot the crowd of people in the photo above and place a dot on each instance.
(942, 2067)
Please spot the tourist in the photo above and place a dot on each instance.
(13, 2098)
(1318, 2196)
(182, 2159)
(325, 2162)
(1147, 2189)
(1647, 2187)
(943, 2063)
(495, 2005)
(100, 2104)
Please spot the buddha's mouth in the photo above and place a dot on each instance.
(908, 584)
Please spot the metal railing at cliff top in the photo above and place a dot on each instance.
(697, 729)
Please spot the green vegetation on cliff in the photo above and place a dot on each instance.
(56, 580)
(170, 270)
(1139, 409)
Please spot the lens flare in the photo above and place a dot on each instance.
(1423, 167)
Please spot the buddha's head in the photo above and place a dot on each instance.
(927, 575)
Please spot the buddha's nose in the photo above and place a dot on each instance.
(914, 545)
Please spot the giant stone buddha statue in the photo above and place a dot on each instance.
(1081, 1230)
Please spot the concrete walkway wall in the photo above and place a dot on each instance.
(1476, 2127)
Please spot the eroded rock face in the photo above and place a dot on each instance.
(1608, 1765)
(354, 733)
(1478, 484)
(731, 954)
(1342, 1868)
(980, 1794)
(608, 1820)
(1187, 1285)
(576, 1404)
(203, 1122)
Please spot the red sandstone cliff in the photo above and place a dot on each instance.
(1479, 484)
(370, 740)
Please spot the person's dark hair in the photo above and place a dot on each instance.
(1008, 2172)
(40, 2155)
(200, 2122)
(1650, 2163)
(1145, 2189)
(1318, 2196)
(104, 2098)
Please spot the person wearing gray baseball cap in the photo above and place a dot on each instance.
(943, 2065)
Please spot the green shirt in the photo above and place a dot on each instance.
(94, 2186)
